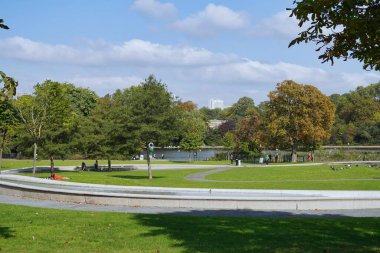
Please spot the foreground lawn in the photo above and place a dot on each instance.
(296, 178)
(29, 229)
(14, 164)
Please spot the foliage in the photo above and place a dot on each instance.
(357, 116)
(2, 25)
(247, 133)
(299, 115)
(239, 109)
(9, 89)
(342, 28)
(60, 116)
(193, 130)
(151, 115)
(66, 121)
(213, 137)
(83, 100)
(210, 114)
(186, 106)
(7, 123)
(93, 132)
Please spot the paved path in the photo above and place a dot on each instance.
(187, 211)
(200, 176)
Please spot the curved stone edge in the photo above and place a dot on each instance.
(264, 204)
(323, 200)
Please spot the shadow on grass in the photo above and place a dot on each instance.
(134, 177)
(262, 233)
(6, 232)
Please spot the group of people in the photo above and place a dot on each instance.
(96, 166)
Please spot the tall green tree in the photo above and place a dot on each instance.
(151, 114)
(299, 115)
(7, 122)
(193, 131)
(239, 109)
(60, 116)
(357, 116)
(93, 136)
(341, 29)
(32, 113)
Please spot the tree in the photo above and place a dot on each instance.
(186, 106)
(152, 117)
(193, 129)
(9, 89)
(210, 114)
(7, 120)
(97, 132)
(247, 133)
(239, 109)
(32, 112)
(342, 28)
(357, 116)
(299, 115)
(60, 116)
(82, 100)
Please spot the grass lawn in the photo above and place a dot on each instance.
(305, 177)
(29, 229)
(14, 164)
(296, 178)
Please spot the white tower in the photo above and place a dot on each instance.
(215, 103)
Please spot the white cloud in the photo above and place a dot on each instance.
(192, 73)
(115, 82)
(279, 25)
(355, 79)
(101, 53)
(212, 20)
(155, 9)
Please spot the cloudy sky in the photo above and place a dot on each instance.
(200, 49)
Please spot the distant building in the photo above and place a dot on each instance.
(215, 123)
(215, 103)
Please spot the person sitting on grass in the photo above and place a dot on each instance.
(54, 176)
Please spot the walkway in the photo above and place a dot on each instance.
(186, 211)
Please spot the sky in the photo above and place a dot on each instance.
(199, 49)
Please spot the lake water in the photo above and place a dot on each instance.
(182, 155)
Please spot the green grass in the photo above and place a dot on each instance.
(305, 177)
(13, 164)
(296, 178)
(29, 229)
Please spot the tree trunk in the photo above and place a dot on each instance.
(2, 148)
(294, 154)
(1, 158)
(148, 161)
(51, 166)
(34, 158)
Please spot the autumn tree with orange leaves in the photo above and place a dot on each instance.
(299, 116)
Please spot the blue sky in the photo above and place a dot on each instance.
(200, 49)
